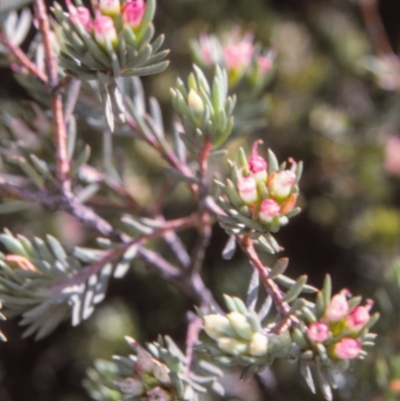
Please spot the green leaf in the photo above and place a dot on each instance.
(14, 207)
(279, 268)
(296, 290)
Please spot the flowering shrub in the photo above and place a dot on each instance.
(83, 70)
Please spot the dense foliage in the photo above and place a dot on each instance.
(155, 196)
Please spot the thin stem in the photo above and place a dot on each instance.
(246, 243)
(205, 229)
(193, 331)
(60, 138)
(170, 157)
(375, 28)
(22, 58)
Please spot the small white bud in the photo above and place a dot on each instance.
(241, 326)
(232, 346)
(258, 344)
(217, 325)
(161, 373)
(195, 102)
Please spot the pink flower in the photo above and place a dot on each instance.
(338, 307)
(238, 50)
(238, 55)
(268, 210)
(264, 63)
(144, 361)
(132, 13)
(280, 183)
(209, 49)
(392, 155)
(318, 332)
(81, 15)
(347, 348)
(109, 7)
(247, 188)
(257, 164)
(359, 317)
(104, 30)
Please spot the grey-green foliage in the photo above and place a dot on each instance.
(157, 372)
(134, 55)
(205, 110)
(46, 283)
(14, 26)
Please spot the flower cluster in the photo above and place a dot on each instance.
(151, 378)
(237, 53)
(158, 373)
(114, 39)
(340, 326)
(105, 25)
(262, 195)
(238, 337)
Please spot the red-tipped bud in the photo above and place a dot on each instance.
(280, 183)
(257, 164)
(318, 332)
(81, 15)
(359, 317)
(247, 188)
(268, 210)
(104, 30)
(132, 13)
(347, 348)
(338, 308)
(109, 7)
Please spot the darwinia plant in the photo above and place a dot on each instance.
(102, 50)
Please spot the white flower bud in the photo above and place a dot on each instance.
(217, 325)
(241, 326)
(131, 386)
(232, 346)
(258, 344)
(195, 102)
(144, 361)
(161, 373)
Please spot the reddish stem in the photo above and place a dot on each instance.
(60, 138)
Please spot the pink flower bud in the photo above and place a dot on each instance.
(158, 394)
(347, 348)
(318, 332)
(238, 55)
(109, 7)
(264, 63)
(104, 30)
(132, 13)
(247, 188)
(280, 183)
(257, 164)
(144, 361)
(359, 317)
(81, 15)
(209, 48)
(268, 210)
(131, 386)
(338, 308)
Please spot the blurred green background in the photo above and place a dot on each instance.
(332, 105)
